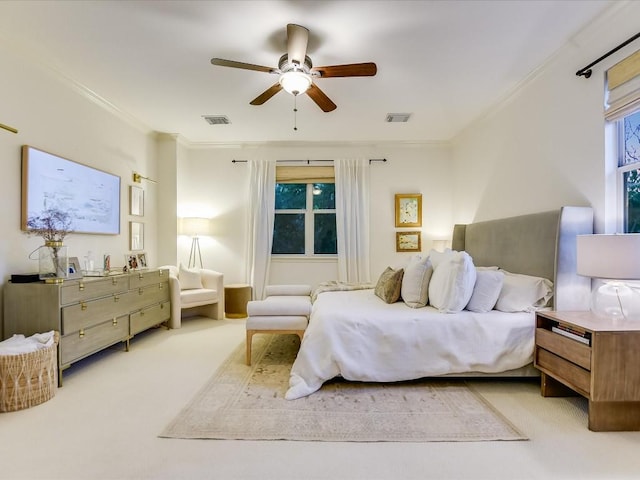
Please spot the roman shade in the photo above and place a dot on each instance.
(623, 88)
(304, 174)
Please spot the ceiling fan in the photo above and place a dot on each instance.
(297, 73)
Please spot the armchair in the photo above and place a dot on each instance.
(197, 291)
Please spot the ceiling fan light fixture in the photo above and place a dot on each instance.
(295, 82)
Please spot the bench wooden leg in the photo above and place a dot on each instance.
(249, 337)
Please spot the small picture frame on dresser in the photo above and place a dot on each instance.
(142, 260)
(131, 261)
(74, 268)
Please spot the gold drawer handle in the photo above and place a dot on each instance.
(161, 286)
(115, 322)
(83, 306)
(81, 286)
(161, 272)
(140, 276)
(116, 298)
(81, 333)
(161, 306)
(114, 281)
(142, 314)
(140, 291)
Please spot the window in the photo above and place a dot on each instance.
(628, 129)
(305, 219)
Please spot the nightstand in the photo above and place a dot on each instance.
(605, 368)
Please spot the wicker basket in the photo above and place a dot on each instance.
(28, 379)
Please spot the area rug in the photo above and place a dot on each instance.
(247, 403)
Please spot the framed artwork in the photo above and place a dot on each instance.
(74, 268)
(136, 201)
(142, 260)
(136, 236)
(408, 242)
(408, 209)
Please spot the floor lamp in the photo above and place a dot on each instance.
(195, 226)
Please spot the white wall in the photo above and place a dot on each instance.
(52, 116)
(544, 147)
(211, 185)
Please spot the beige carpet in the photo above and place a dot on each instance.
(241, 402)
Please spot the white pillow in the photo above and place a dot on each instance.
(523, 293)
(452, 282)
(415, 282)
(189, 279)
(486, 290)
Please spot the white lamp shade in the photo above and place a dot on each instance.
(609, 256)
(295, 82)
(194, 226)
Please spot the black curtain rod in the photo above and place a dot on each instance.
(586, 71)
(309, 161)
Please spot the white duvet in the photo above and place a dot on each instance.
(354, 334)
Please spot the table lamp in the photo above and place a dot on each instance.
(614, 259)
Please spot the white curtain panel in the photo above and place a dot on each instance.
(352, 219)
(262, 186)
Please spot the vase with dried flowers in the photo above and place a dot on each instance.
(52, 225)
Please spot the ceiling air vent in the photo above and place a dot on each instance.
(216, 119)
(397, 117)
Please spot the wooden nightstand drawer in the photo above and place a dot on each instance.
(568, 373)
(148, 277)
(567, 348)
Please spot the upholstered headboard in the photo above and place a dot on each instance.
(539, 244)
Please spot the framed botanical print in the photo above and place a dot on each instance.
(408, 242)
(408, 209)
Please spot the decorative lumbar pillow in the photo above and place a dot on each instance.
(452, 282)
(389, 284)
(486, 290)
(415, 282)
(189, 279)
(523, 293)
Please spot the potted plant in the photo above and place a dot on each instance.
(52, 225)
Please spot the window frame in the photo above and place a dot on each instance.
(309, 224)
(622, 225)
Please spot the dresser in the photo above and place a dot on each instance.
(91, 313)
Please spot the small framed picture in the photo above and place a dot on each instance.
(136, 201)
(408, 209)
(74, 268)
(142, 260)
(408, 242)
(131, 261)
(136, 235)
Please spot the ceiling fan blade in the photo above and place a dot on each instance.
(245, 66)
(321, 99)
(297, 39)
(266, 95)
(368, 69)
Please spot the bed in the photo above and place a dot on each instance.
(355, 335)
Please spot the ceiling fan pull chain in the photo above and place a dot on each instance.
(295, 113)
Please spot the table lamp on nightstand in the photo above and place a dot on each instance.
(614, 259)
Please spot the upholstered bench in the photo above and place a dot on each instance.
(285, 309)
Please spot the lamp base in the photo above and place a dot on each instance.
(615, 300)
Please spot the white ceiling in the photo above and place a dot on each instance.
(445, 62)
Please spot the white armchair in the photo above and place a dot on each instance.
(197, 291)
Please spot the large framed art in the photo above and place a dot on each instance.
(90, 196)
